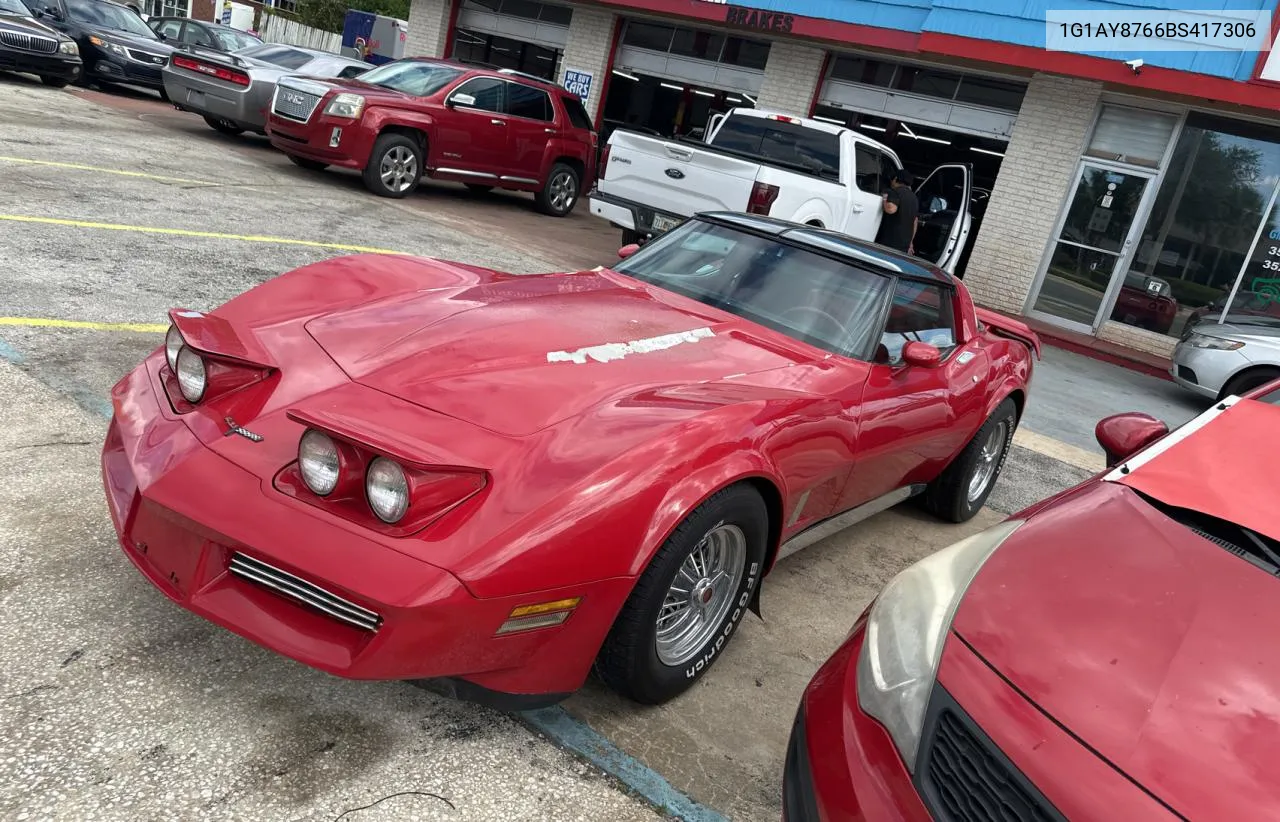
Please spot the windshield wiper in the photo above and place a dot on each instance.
(1257, 549)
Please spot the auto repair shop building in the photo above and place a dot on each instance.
(1108, 203)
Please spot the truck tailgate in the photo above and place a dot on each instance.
(676, 178)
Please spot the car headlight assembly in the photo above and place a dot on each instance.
(114, 48)
(905, 632)
(192, 376)
(350, 106)
(318, 462)
(173, 343)
(387, 490)
(69, 47)
(1215, 343)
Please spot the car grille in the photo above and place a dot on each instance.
(28, 42)
(965, 778)
(299, 590)
(294, 104)
(147, 57)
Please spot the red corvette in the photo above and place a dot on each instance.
(1105, 654)
(399, 468)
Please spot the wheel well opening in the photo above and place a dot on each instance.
(816, 223)
(574, 164)
(773, 507)
(1019, 402)
(408, 131)
(1269, 372)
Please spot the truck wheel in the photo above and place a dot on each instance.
(962, 489)
(689, 600)
(309, 165)
(395, 166)
(223, 126)
(560, 194)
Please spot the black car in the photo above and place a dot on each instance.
(213, 36)
(30, 46)
(115, 44)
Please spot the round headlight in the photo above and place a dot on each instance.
(191, 375)
(387, 489)
(318, 461)
(173, 343)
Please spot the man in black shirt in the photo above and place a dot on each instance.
(898, 225)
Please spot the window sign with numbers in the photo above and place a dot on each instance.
(1255, 297)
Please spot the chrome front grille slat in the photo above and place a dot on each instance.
(29, 42)
(147, 57)
(306, 593)
(294, 104)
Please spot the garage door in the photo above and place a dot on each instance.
(543, 24)
(700, 57)
(972, 104)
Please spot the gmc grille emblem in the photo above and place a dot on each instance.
(296, 99)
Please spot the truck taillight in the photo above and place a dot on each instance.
(604, 162)
(762, 197)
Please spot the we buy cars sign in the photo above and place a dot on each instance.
(578, 82)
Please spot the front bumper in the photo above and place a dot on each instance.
(1205, 371)
(189, 519)
(313, 139)
(246, 107)
(108, 66)
(61, 66)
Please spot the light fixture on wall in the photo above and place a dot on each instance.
(733, 99)
(908, 130)
(870, 127)
(750, 99)
(702, 93)
(625, 75)
(672, 86)
(828, 119)
(938, 140)
(986, 151)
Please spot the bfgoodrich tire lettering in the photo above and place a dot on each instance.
(630, 661)
(953, 495)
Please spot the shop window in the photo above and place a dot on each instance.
(504, 52)
(1203, 221)
(526, 101)
(927, 81)
(527, 9)
(1130, 135)
(559, 15)
(751, 54)
(985, 91)
(862, 70)
(648, 36)
(703, 45)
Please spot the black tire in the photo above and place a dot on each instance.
(223, 126)
(560, 194)
(405, 159)
(1242, 384)
(948, 497)
(164, 95)
(629, 658)
(309, 165)
(54, 82)
(476, 188)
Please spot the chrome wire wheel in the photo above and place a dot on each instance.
(563, 190)
(988, 460)
(701, 594)
(398, 169)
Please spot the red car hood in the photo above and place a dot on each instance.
(1153, 645)
(519, 353)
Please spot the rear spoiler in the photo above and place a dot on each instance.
(211, 55)
(1009, 327)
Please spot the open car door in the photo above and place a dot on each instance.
(944, 215)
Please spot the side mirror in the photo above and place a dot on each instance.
(921, 355)
(627, 250)
(460, 100)
(1123, 435)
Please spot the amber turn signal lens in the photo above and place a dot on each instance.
(541, 615)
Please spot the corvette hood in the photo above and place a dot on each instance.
(1151, 644)
(516, 354)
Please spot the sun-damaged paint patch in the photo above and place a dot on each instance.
(617, 350)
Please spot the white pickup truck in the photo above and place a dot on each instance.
(793, 168)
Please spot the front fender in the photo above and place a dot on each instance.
(378, 119)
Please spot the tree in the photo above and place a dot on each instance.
(331, 15)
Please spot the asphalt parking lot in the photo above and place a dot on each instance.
(115, 704)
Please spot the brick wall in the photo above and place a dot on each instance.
(1130, 337)
(590, 38)
(1034, 181)
(428, 28)
(790, 77)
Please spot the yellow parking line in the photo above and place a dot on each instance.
(42, 322)
(1058, 450)
(183, 232)
(82, 167)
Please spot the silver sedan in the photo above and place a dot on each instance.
(1217, 360)
(232, 91)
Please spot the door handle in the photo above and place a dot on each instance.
(498, 122)
(679, 154)
(856, 209)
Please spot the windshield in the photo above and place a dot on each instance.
(233, 40)
(416, 77)
(14, 7)
(783, 142)
(108, 16)
(827, 303)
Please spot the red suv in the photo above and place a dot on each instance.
(487, 129)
